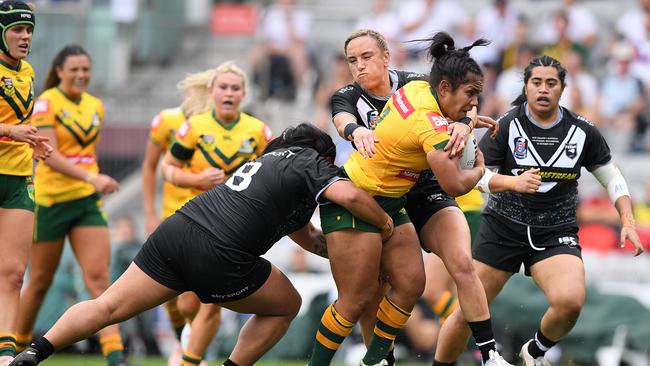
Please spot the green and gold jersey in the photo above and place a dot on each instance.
(410, 126)
(16, 105)
(162, 133)
(76, 126)
(204, 141)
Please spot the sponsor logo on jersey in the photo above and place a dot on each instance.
(8, 87)
(521, 148)
(571, 150)
(184, 129)
(373, 116)
(346, 89)
(155, 122)
(438, 122)
(42, 106)
(408, 175)
(268, 135)
(403, 105)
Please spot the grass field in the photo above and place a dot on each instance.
(79, 360)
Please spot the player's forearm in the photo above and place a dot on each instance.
(624, 207)
(62, 165)
(340, 121)
(364, 207)
(178, 177)
(502, 183)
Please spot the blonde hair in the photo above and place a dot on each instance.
(378, 37)
(198, 85)
(231, 67)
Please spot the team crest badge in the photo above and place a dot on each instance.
(8, 87)
(246, 147)
(208, 141)
(521, 148)
(372, 116)
(571, 150)
(66, 117)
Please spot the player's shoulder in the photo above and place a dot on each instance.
(171, 112)
(405, 77)
(49, 94)
(252, 121)
(511, 114)
(89, 98)
(349, 91)
(577, 119)
(26, 68)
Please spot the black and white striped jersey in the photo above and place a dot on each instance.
(559, 150)
(363, 105)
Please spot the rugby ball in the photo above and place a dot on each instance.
(468, 158)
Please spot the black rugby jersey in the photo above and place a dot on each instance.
(264, 200)
(559, 151)
(364, 106)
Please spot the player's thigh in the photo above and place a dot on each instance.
(446, 234)
(401, 259)
(276, 297)
(17, 227)
(562, 278)
(355, 258)
(492, 279)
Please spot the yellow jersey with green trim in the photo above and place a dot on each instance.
(76, 126)
(162, 132)
(16, 106)
(470, 201)
(410, 126)
(206, 142)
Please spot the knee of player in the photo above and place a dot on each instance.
(13, 275)
(569, 307)
(461, 268)
(96, 282)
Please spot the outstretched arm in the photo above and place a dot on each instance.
(311, 239)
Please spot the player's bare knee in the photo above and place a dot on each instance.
(462, 269)
(568, 307)
(96, 283)
(13, 275)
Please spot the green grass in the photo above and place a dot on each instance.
(94, 360)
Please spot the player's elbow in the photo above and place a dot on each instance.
(455, 188)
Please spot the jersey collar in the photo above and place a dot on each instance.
(73, 100)
(10, 67)
(532, 119)
(227, 126)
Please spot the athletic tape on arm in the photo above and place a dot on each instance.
(611, 178)
(483, 184)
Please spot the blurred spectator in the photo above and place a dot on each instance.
(510, 82)
(496, 22)
(520, 38)
(300, 262)
(280, 57)
(582, 25)
(385, 21)
(642, 208)
(338, 77)
(623, 97)
(420, 19)
(581, 92)
(633, 26)
(598, 209)
(563, 44)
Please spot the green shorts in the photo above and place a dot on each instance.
(54, 222)
(334, 217)
(16, 192)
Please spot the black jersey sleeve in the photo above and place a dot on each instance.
(343, 100)
(597, 150)
(317, 173)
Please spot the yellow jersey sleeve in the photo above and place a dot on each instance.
(186, 134)
(43, 116)
(430, 130)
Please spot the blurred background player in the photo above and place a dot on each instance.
(17, 139)
(213, 145)
(68, 186)
(196, 100)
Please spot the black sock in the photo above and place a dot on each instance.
(539, 345)
(44, 348)
(229, 362)
(438, 363)
(390, 357)
(482, 332)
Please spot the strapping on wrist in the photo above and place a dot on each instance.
(349, 129)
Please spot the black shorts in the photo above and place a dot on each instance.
(425, 199)
(509, 252)
(184, 256)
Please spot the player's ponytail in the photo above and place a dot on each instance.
(450, 63)
(540, 61)
(52, 78)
